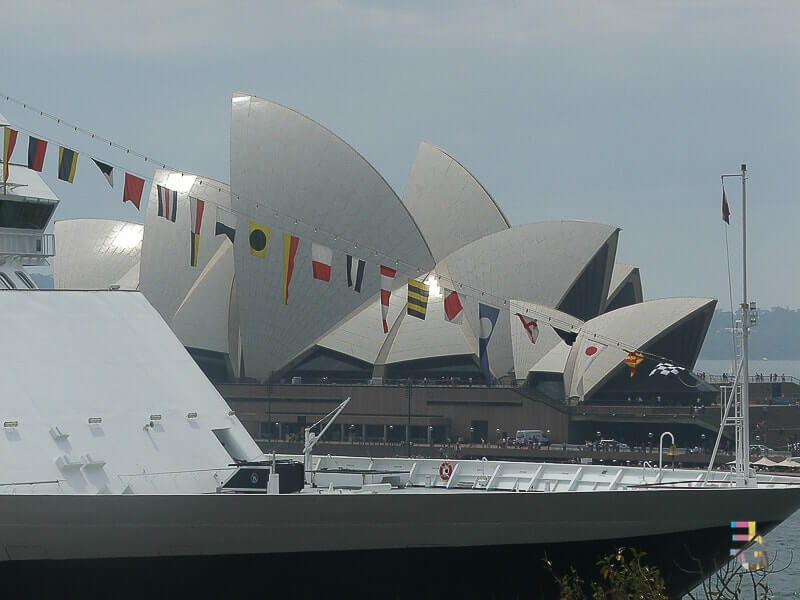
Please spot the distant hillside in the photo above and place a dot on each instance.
(776, 337)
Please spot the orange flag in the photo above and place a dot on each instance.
(9, 140)
(290, 245)
(633, 360)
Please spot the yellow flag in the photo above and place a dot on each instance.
(259, 239)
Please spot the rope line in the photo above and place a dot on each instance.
(409, 269)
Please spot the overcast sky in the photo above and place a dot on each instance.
(618, 112)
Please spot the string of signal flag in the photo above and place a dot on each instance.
(226, 224)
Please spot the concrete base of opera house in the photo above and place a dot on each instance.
(378, 415)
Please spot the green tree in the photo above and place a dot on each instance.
(623, 577)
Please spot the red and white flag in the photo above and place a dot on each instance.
(453, 309)
(590, 349)
(531, 327)
(387, 276)
(321, 258)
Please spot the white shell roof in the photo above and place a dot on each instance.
(325, 192)
(198, 322)
(166, 275)
(620, 276)
(450, 206)
(414, 339)
(361, 336)
(431, 337)
(632, 327)
(537, 263)
(554, 361)
(527, 354)
(96, 253)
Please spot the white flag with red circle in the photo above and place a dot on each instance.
(590, 350)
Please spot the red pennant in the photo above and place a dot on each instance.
(133, 190)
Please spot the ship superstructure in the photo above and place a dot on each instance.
(26, 207)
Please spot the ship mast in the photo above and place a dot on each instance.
(740, 400)
(743, 474)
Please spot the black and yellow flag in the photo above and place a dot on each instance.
(67, 161)
(259, 239)
(417, 298)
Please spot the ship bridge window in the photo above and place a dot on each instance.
(25, 215)
(6, 283)
(23, 277)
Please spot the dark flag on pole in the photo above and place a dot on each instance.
(726, 212)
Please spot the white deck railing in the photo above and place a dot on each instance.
(511, 475)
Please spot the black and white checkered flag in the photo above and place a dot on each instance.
(665, 368)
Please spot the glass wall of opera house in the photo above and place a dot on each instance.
(301, 274)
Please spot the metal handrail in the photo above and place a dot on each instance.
(757, 378)
(23, 243)
(636, 411)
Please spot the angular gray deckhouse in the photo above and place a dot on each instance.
(123, 472)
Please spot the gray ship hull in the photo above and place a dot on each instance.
(497, 538)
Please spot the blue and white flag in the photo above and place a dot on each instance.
(487, 317)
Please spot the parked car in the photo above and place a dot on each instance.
(531, 436)
(760, 450)
(614, 446)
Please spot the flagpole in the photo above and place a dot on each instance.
(745, 330)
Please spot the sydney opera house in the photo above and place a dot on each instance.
(282, 352)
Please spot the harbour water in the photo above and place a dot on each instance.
(783, 544)
(783, 547)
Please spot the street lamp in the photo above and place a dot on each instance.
(702, 443)
(650, 441)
